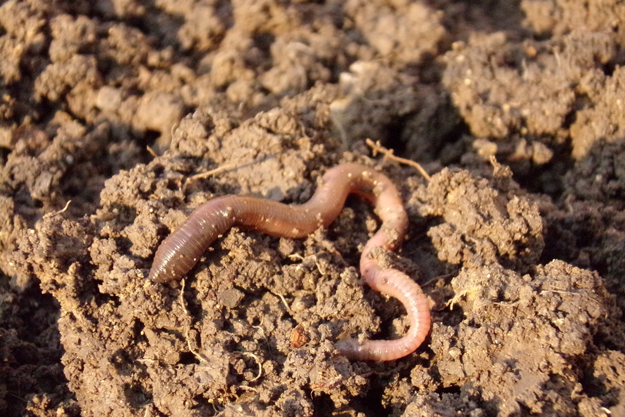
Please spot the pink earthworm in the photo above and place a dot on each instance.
(179, 252)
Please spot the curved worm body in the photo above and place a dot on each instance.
(182, 249)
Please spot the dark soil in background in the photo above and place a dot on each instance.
(516, 108)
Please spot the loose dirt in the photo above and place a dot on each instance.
(114, 113)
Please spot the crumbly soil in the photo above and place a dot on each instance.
(114, 114)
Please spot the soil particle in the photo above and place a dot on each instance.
(550, 314)
(482, 225)
(119, 118)
(561, 16)
(407, 36)
(479, 75)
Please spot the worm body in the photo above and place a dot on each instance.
(182, 249)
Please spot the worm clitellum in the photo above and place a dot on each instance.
(182, 249)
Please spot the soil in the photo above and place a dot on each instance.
(115, 113)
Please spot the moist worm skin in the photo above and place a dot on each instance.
(179, 252)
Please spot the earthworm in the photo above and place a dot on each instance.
(179, 252)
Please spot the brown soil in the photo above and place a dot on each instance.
(516, 108)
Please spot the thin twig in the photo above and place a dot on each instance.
(210, 173)
(246, 388)
(63, 210)
(260, 365)
(182, 303)
(388, 153)
(152, 152)
(439, 277)
(197, 354)
(283, 300)
(215, 171)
